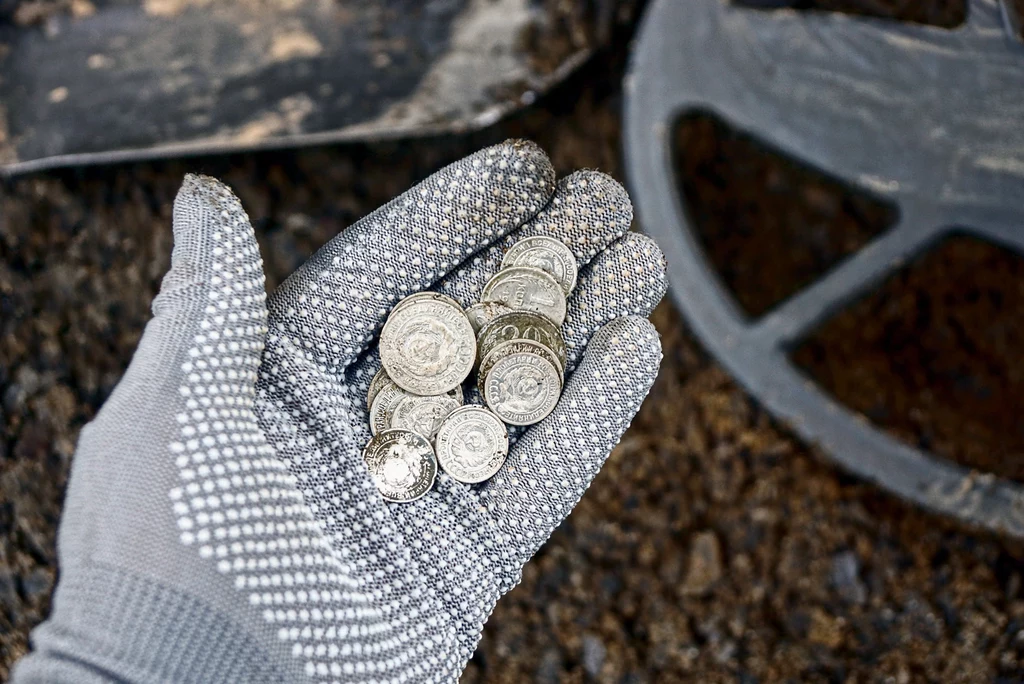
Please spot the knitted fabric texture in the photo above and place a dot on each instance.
(220, 524)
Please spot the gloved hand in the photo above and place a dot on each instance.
(220, 524)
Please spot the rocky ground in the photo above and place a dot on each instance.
(713, 548)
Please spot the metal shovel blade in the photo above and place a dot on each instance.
(134, 79)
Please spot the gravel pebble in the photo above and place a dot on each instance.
(705, 567)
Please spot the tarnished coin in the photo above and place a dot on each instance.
(425, 296)
(383, 407)
(377, 383)
(428, 347)
(525, 287)
(522, 388)
(505, 349)
(521, 325)
(472, 444)
(423, 415)
(482, 313)
(402, 464)
(549, 255)
(391, 395)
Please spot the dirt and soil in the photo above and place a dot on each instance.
(713, 547)
(933, 354)
(745, 205)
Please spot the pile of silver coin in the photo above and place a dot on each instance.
(430, 346)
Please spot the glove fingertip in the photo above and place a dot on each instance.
(589, 211)
(604, 191)
(200, 194)
(215, 248)
(626, 352)
(532, 159)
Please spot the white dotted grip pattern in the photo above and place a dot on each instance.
(271, 416)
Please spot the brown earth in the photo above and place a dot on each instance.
(713, 548)
(746, 205)
(934, 355)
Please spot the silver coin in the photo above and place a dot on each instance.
(423, 415)
(521, 325)
(522, 388)
(428, 347)
(481, 313)
(402, 464)
(528, 288)
(549, 255)
(425, 296)
(472, 444)
(505, 349)
(383, 407)
(377, 383)
(391, 395)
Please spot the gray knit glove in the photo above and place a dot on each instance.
(220, 525)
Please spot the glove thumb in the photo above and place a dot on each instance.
(212, 300)
(183, 408)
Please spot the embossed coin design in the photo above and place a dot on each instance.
(381, 380)
(472, 444)
(383, 407)
(423, 415)
(521, 325)
(525, 287)
(427, 347)
(522, 388)
(425, 296)
(402, 464)
(549, 255)
(506, 349)
(377, 383)
(481, 313)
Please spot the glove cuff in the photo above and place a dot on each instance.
(107, 624)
